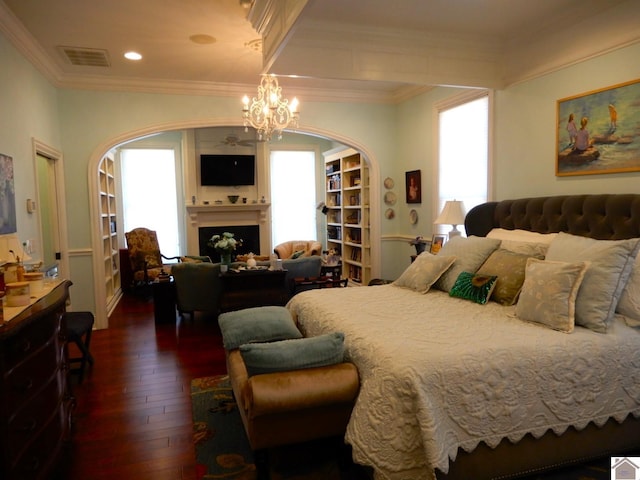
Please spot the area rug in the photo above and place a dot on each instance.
(223, 452)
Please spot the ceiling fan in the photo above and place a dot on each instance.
(235, 141)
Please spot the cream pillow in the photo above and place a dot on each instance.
(629, 304)
(521, 235)
(604, 281)
(549, 293)
(424, 271)
(470, 253)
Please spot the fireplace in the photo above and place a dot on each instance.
(249, 234)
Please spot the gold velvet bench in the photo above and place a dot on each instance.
(292, 406)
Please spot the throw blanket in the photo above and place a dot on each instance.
(440, 373)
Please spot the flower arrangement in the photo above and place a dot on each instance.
(224, 244)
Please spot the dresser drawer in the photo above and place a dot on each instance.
(37, 458)
(30, 419)
(29, 339)
(23, 381)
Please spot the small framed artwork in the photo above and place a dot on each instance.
(414, 186)
(596, 132)
(437, 241)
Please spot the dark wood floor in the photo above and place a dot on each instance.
(133, 415)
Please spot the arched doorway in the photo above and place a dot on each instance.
(93, 174)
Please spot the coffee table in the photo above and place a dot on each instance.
(253, 288)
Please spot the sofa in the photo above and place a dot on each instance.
(279, 404)
(198, 286)
(294, 247)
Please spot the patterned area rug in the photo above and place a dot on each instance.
(223, 452)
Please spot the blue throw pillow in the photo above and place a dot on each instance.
(259, 324)
(297, 354)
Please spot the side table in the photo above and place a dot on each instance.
(164, 301)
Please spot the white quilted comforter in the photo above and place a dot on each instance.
(440, 373)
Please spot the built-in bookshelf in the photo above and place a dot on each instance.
(109, 230)
(347, 202)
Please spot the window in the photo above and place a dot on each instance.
(293, 196)
(149, 194)
(463, 152)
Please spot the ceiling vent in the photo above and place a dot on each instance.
(86, 57)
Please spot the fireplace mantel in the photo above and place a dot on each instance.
(214, 215)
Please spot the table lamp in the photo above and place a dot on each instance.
(452, 214)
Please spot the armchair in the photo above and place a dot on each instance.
(145, 256)
(288, 249)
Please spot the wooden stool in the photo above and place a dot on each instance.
(79, 327)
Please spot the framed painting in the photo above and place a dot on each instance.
(414, 186)
(8, 223)
(597, 132)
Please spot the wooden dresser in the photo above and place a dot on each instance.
(35, 399)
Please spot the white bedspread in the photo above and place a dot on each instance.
(440, 373)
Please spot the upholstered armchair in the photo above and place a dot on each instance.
(144, 255)
(292, 248)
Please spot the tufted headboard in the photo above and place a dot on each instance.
(601, 216)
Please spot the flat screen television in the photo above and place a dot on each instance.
(227, 170)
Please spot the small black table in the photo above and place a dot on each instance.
(164, 300)
(253, 288)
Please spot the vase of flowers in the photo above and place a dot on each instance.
(225, 245)
(420, 244)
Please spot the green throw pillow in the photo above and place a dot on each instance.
(474, 287)
(259, 324)
(297, 354)
(297, 254)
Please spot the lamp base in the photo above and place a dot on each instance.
(454, 232)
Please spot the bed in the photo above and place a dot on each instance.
(452, 388)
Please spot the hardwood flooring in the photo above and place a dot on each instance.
(133, 414)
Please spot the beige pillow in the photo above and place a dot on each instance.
(424, 271)
(510, 269)
(549, 293)
(606, 278)
(629, 304)
(470, 253)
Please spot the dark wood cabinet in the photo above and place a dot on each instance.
(253, 288)
(35, 399)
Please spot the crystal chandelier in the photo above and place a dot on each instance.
(269, 113)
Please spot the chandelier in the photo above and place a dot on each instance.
(269, 113)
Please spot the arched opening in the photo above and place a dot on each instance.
(109, 145)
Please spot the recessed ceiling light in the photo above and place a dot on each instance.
(132, 56)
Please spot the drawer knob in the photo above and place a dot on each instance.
(29, 426)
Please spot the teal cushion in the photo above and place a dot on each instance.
(297, 354)
(297, 254)
(473, 286)
(259, 324)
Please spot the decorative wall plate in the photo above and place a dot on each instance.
(413, 217)
(390, 198)
(389, 183)
(389, 213)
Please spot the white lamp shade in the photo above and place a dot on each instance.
(452, 214)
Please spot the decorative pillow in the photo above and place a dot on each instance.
(530, 249)
(474, 287)
(297, 254)
(258, 324)
(293, 354)
(423, 272)
(549, 293)
(470, 253)
(629, 304)
(509, 268)
(604, 281)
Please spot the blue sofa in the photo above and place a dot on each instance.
(198, 286)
